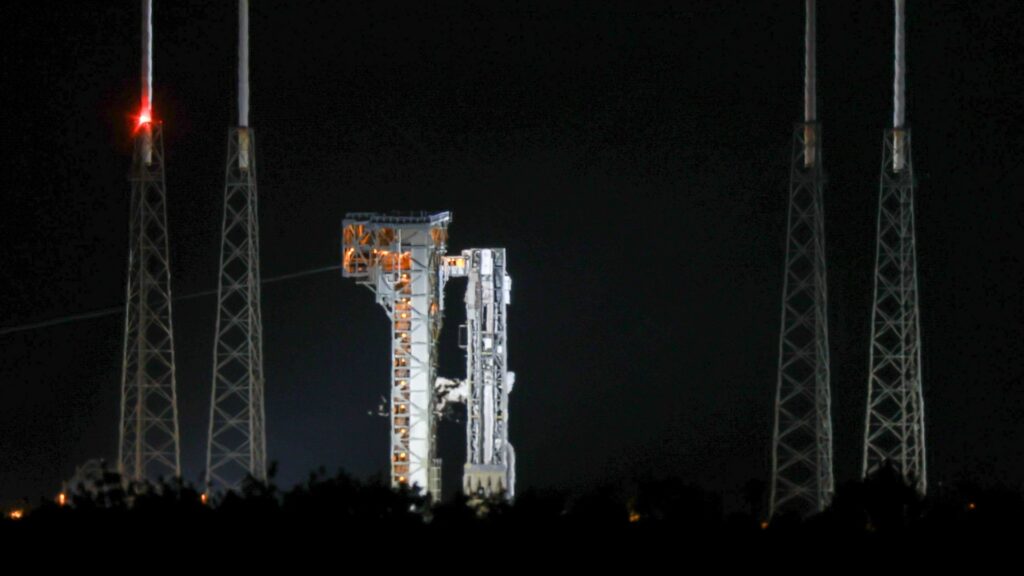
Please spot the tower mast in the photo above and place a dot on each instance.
(894, 427)
(148, 444)
(802, 475)
(237, 444)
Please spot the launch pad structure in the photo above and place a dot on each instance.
(403, 260)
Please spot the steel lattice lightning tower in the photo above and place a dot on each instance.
(148, 445)
(237, 445)
(802, 475)
(894, 429)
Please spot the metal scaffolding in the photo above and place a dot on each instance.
(148, 446)
(402, 259)
(894, 427)
(237, 445)
(802, 475)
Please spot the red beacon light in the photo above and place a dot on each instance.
(145, 117)
(144, 130)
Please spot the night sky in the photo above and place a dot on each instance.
(633, 160)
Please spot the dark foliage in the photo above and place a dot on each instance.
(327, 512)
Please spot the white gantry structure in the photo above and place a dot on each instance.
(403, 260)
(398, 258)
(894, 427)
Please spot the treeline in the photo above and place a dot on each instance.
(340, 508)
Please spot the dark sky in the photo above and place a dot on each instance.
(633, 160)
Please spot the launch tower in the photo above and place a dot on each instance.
(398, 258)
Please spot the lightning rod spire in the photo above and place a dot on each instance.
(899, 102)
(810, 65)
(894, 433)
(147, 56)
(243, 63)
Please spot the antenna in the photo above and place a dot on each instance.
(894, 427)
(237, 443)
(802, 476)
(148, 445)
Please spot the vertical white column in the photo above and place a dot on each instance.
(243, 63)
(810, 65)
(810, 85)
(899, 83)
(147, 56)
(899, 102)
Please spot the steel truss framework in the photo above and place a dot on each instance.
(894, 428)
(802, 472)
(398, 258)
(402, 259)
(237, 446)
(148, 446)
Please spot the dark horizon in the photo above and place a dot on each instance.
(633, 161)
